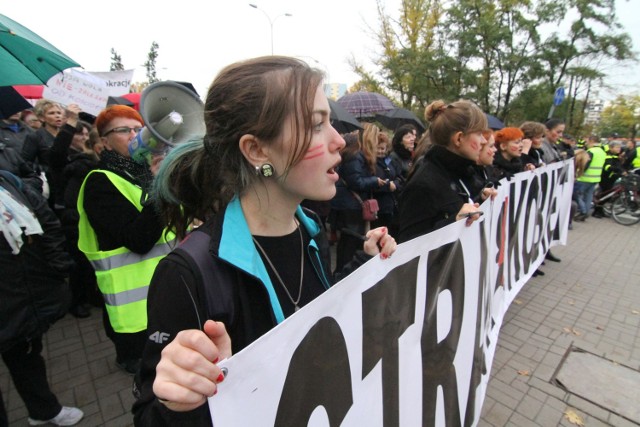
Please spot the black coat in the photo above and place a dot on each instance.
(11, 138)
(535, 157)
(435, 193)
(73, 175)
(59, 157)
(11, 161)
(503, 168)
(33, 290)
(390, 171)
(116, 221)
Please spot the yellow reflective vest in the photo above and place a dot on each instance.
(635, 163)
(123, 276)
(594, 171)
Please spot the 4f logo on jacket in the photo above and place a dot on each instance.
(159, 337)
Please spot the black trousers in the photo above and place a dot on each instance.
(82, 279)
(128, 346)
(29, 374)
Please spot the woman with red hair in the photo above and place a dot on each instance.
(121, 233)
(508, 160)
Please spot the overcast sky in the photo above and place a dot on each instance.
(198, 38)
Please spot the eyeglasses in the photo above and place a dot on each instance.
(123, 130)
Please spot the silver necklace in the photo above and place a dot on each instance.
(262, 251)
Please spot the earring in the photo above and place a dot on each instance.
(265, 170)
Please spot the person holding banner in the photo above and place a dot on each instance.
(553, 132)
(532, 153)
(484, 165)
(444, 189)
(258, 257)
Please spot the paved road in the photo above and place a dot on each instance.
(590, 300)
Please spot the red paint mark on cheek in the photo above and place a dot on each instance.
(314, 152)
(514, 148)
(474, 145)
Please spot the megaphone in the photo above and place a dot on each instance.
(172, 115)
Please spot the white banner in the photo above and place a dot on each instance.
(118, 82)
(77, 87)
(408, 341)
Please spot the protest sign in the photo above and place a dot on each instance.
(77, 87)
(118, 82)
(408, 341)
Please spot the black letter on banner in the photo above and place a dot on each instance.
(484, 324)
(388, 309)
(547, 190)
(445, 270)
(532, 196)
(319, 375)
(554, 234)
(501, 242)
(515, 210)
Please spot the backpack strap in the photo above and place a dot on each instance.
(194, 249)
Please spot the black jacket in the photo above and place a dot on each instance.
(11, 161)
(11, 138)
(535, 157)
(390, 171)
(503, 168)
(435, 193)
(59, 157)
(37, 147)
(73, 175)
(179, 299)
(403, 159)
(33, 290)
(116, 221)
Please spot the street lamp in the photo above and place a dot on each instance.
(271, 21)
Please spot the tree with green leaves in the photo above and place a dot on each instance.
(582, 46)
(408, 68)
(150, 63)
(493, 51)
(116, 61)
(621, 117)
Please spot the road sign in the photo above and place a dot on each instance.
(558, 97)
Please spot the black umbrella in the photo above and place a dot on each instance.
(398, 117)
(365, 104)
(342, 120)
(118, 100)
(11, 102)
(494, 122)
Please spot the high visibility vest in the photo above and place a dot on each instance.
(594, 171)
(123, 276)
(635, 163)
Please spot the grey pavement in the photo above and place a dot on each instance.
(590, 300)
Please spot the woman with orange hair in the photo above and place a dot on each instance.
(121, 233)
(508, 160)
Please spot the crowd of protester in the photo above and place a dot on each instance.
(99, 227)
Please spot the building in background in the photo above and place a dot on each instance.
(335, 90)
